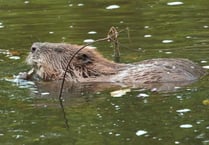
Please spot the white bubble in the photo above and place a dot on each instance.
(45, 93)
(206, 67)
(177, 142)
(117, 134)
(147, 36)
(92, 32)
(154, 89)
(177, 87)
(14, 57)
(80, 5)
(42, 136)
(167, 41)
(141, 132)
(26, 2)
(203, 61)
(205, 26)
(168, 52)
(88, 40)
(143, 95)
(174, 3)
(112, 7)
(18, 136)
(186, 126)
(183, 110)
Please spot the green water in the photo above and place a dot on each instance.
(32, 114)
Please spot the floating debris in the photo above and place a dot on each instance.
(10, 54)
(205, 102)
(119, 93)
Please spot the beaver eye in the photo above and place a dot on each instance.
(33, 49)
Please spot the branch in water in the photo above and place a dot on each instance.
(111, 37)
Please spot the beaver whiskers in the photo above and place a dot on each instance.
(50, 61)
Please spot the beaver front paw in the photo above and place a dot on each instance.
(22, 75)
(25, 75)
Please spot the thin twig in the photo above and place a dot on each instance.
(110, 37)
(114, 33)
(65, 73)
(64, 114)
(128, 33)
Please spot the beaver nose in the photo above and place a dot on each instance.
(33, 49)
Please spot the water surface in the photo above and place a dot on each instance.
(31, 113)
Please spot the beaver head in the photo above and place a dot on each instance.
(50, 60)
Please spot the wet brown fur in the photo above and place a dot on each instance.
(50, 60)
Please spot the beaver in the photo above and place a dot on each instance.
(49, 62)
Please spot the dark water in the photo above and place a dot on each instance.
(31, 113)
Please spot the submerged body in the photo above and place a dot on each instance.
(49, 61)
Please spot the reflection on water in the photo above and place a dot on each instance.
(30, 113)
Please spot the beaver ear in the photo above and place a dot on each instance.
(84, 58)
